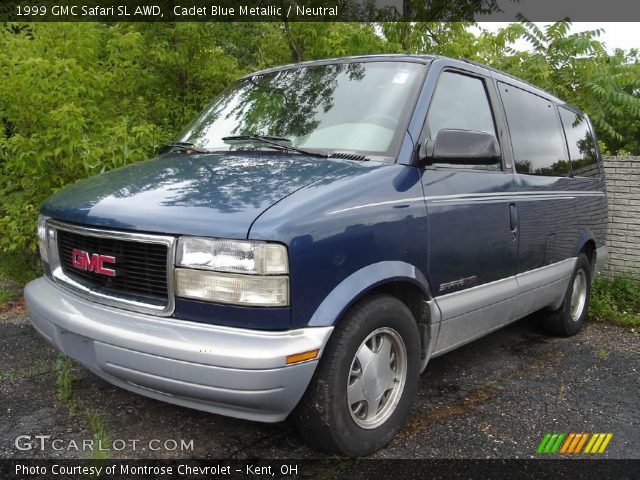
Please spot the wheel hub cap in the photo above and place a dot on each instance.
(377, 377)
(578, 295)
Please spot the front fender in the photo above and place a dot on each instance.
(362, 281)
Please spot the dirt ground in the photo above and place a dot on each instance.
(494, 398)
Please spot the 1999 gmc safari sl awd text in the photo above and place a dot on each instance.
(318, 234)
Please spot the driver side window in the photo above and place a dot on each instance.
(460, 102)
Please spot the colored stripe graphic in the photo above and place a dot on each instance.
(572, 443)
(577, 443)
(543, 443)
(598, 443)
(550, 443)
(567, 443)
(591, 443)
(581, 443)
(607, 439)
(556, 445)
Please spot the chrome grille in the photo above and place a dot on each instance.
(143, 266)
(140, 268)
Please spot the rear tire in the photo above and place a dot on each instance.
(362, 391)
(570, 318)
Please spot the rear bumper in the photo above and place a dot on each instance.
(230, 371)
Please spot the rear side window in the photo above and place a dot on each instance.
(536, 133)
(582, 148)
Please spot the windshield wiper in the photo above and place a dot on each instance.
(184, 146)
(273, 141)
(265, 138)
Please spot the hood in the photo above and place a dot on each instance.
(210, 195)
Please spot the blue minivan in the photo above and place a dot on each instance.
(318, 234)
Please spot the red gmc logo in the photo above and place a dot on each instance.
(92, 263)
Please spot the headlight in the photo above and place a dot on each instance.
(42, 237)
(247, 290)
(236, 256)
(240, 272)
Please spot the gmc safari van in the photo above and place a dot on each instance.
(318, 234)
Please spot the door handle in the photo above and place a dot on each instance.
(513, 219)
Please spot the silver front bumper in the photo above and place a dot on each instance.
(230, 371)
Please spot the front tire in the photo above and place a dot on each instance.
(570, 318)
(362, 391)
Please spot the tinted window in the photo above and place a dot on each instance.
(460, 102)
(582, 149)
(536, 135)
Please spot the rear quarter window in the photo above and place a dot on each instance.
(581, 143)
(536, 133)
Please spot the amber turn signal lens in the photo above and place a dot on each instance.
(302, 357)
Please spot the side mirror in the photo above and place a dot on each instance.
(466, 147)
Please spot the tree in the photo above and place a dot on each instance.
(577, 68)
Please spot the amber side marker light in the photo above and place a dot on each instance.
(302, 357)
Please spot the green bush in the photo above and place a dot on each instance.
(78, 99)
(616, 301)
(19, 269)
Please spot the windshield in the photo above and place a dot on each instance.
(350, 107)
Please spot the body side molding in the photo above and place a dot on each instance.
(482, 198)
(474, 312)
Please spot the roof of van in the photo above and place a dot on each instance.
(424, 59)
(356, 58)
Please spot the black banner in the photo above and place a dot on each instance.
(338, 469)
(316, 10)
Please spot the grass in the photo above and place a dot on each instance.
(98, 427)
(616, 301)
(41, 367)
(66, 379)
(95, 420)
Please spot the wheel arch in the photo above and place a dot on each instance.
(398, 279)
(586, 244)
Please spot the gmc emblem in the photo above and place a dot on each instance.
(94, 263)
